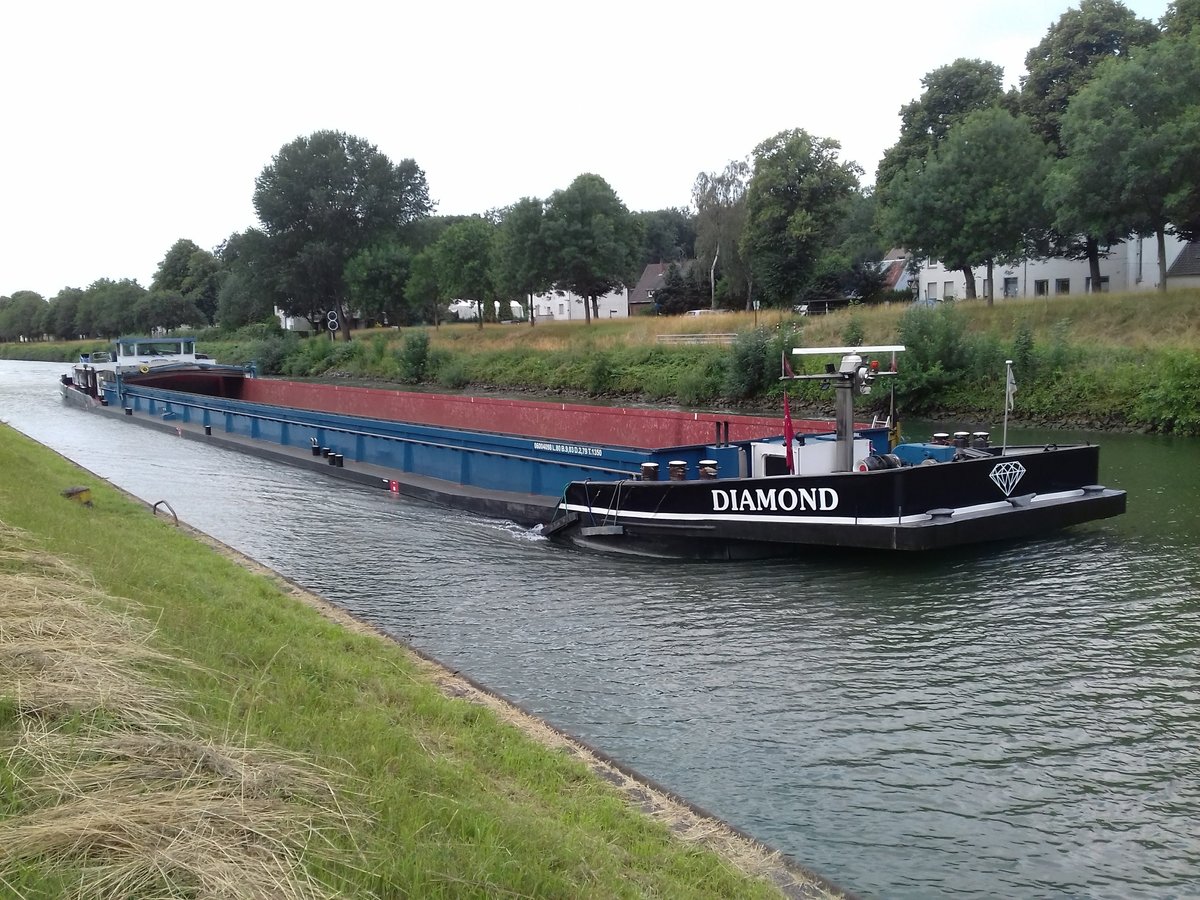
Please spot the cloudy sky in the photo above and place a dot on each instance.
(130, 125)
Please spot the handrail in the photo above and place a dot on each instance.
(712, 338)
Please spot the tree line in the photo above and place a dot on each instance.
(1096, 145)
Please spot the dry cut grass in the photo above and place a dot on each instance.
(111, 783)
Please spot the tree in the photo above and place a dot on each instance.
(422, 288)
(850, 265)
(23, 316)
(1060, 66)
(951, 92)
(108, 308)
(64, 307)
(192, 272)
(591, 240)
(1132, 137)
(521, 265)
(1181, 19)
(165, 309)
(720, 200)
(798, 189)
(683, 288)
(375, 281)
(994, 167)
(668, 235)
(463, 262)
(322, 200)
(977, 196)
(249, 282)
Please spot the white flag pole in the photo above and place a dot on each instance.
(1008, 392)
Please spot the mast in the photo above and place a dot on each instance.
(852, 376)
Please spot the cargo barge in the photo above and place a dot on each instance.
(633, 480)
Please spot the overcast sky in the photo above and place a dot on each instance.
(127, 126)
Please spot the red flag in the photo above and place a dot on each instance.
(788, 434)
(785, 368)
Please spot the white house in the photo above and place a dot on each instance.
(563, 306)
(468, 310)
(292, 323)
(1129, 266)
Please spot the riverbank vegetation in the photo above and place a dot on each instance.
(175, 724)
(1100, 361)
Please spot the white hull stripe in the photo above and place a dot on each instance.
(606, 513)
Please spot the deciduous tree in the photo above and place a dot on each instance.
(23, 316)
(591, 240)
(950, 93)
(193, 273)
(250, 283)
(463, 261)
(375, 281)
(668, 235)
(976, 196)
(1132, 137)
(323, 199)
(1062, 63)
(798, 189)
(521, 261)
(720, 201)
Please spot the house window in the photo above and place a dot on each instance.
(1087, 284)
(931, 290)
(948, 290)
(1041, 287)
(1010, 286)
(1062, 285)
(562, 309)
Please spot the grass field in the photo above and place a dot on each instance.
(174, 722)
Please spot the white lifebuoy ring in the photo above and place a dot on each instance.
(143, 368)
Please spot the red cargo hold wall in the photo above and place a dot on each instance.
(615, 426)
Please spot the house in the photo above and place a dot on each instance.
(894, 268)
(1128, 267)
(1185, 270)
(563, 306)
(654, 276)
(468, 310)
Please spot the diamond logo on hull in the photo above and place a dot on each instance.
(1006, 475)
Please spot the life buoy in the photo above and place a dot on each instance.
(143, 368)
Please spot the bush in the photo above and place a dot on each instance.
(697, 387)
(853, 334)
(452, 373)
(413, 359)
(1172, 402)
(748, 374)
(270, 355)
(600, 373)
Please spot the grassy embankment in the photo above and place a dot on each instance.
(174, 723)
(1109, 361)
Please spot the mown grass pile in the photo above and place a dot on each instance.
(108, 790)
(253, 735)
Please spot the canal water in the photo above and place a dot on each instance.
(1012, 721)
